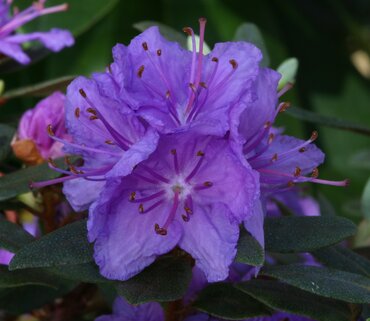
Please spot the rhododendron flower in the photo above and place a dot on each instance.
(11, 43)
(32, 143)
(107, 135)
(192, 192)
(175, 89)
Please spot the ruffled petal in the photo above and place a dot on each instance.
(125, 239)
(54, 40)
(211, 239)
(14, 51)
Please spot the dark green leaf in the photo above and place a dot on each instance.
(166, 31)
(304, 234)
(249, 32)
(335, 284)
(165, 280)
(286, 298)
(65, 246)
(361, 159)
(18, 182)
(343, 259)
(225, 301)
(329, 121)
(249, 250)
(10, 279)
(12, 236)
(326, 208)
(365, 200)
(6, 136)
(42, 89)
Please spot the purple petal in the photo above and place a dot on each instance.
(198, 283)
(200, 317)
(54, 40)
(211, 239)
(5, 257)
(125, 240)
(254, 223)
(14, 51)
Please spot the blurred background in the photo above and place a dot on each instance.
(330, 39)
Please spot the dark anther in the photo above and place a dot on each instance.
(51, 162)
(93, 117)
(159, 52)
(132, 196)
(91, 111)
(271, 138)
(185, 218)
(160, 230)
(50, 130)
(203, 84)
(291, 184)
(141, 208)
(315, 173)
(200, 153)
(77, 112)
(202, 19)
(314, 135)
(297, 172)
(145, 46)
(168, 94)
(173, 151)
(140, 71)
(284, 107)
(82, 93)
(215, 59)
(188, 31)
(274, 158)
(208, 184)
(109, 142)
(233, 63)
(267, 124)
(188, 210)
(302, 150)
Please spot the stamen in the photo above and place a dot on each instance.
(77, 112)
(197, 166)
(284, 106)
(160, 230)
(188, 31)
(159, 52)
(140, 71)
(171, 216)
(314, 135)
(302, 150)
(175, 161)
(147, 198)
(297, 172)
(155, 174)
(152, 207)
(132, 196)
(109, 142)
(205, 185)
(145, 46)
(141, 208)
(315, 173)
(50, 131)
(233, 63)
(274, 158)
(285, 89)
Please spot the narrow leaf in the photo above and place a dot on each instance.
(329, 121)
(365, 200)
(166, 31)
(249, 250)
(330, 283)
(12, 236)
(87, 272)
(305, 233)
(6, 136)
(289, 299)
(165, 280)
(65, 246)
(223, 300)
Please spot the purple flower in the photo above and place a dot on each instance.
(32, 143)
(192, 192)
(5, 257)
(175, 89)
(124, 311)
(108, 136)
(11, 43)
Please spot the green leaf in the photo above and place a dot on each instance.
(288, 70)
(6, 136)
(65, 246)
(80, 16)
(289, 299)
(326, 207)
(223, 300)
(12, 236)
(10, 279)
(361, 160)
(249, 32)
(2, 86)
(305, 233)
(330, 283)
(166, 31)
(18, 182)
(343, 259)
(41, 89)
(312, 117)
(365, 200)
(165, 280)
(249, 250)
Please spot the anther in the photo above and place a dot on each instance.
(188, 210)
(67, 160)
(291, 184)
(274, 158)
(215, 59)
(141, 208)
(284, 106)
(160, 230)
(109, 142)
(297, 172)
(82, 93)
(168, 94)
(93, 117)
(203, 84)
(314, 135)
(132, 196)
(188, 31)
(173, 151)
(315, 173)
(192, 87)
(185, 218)
(50, 130)
(267, 124)
(200, 153)
(51, 162)
(208, 184)
(302, 150)
(159, 52)
(140, 71)
(145, 46)
(74, 170)
(91, 111)
(271, 138)
(77, 112)
(233, 63)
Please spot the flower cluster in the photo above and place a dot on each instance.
(11, 42)
(178, 150)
